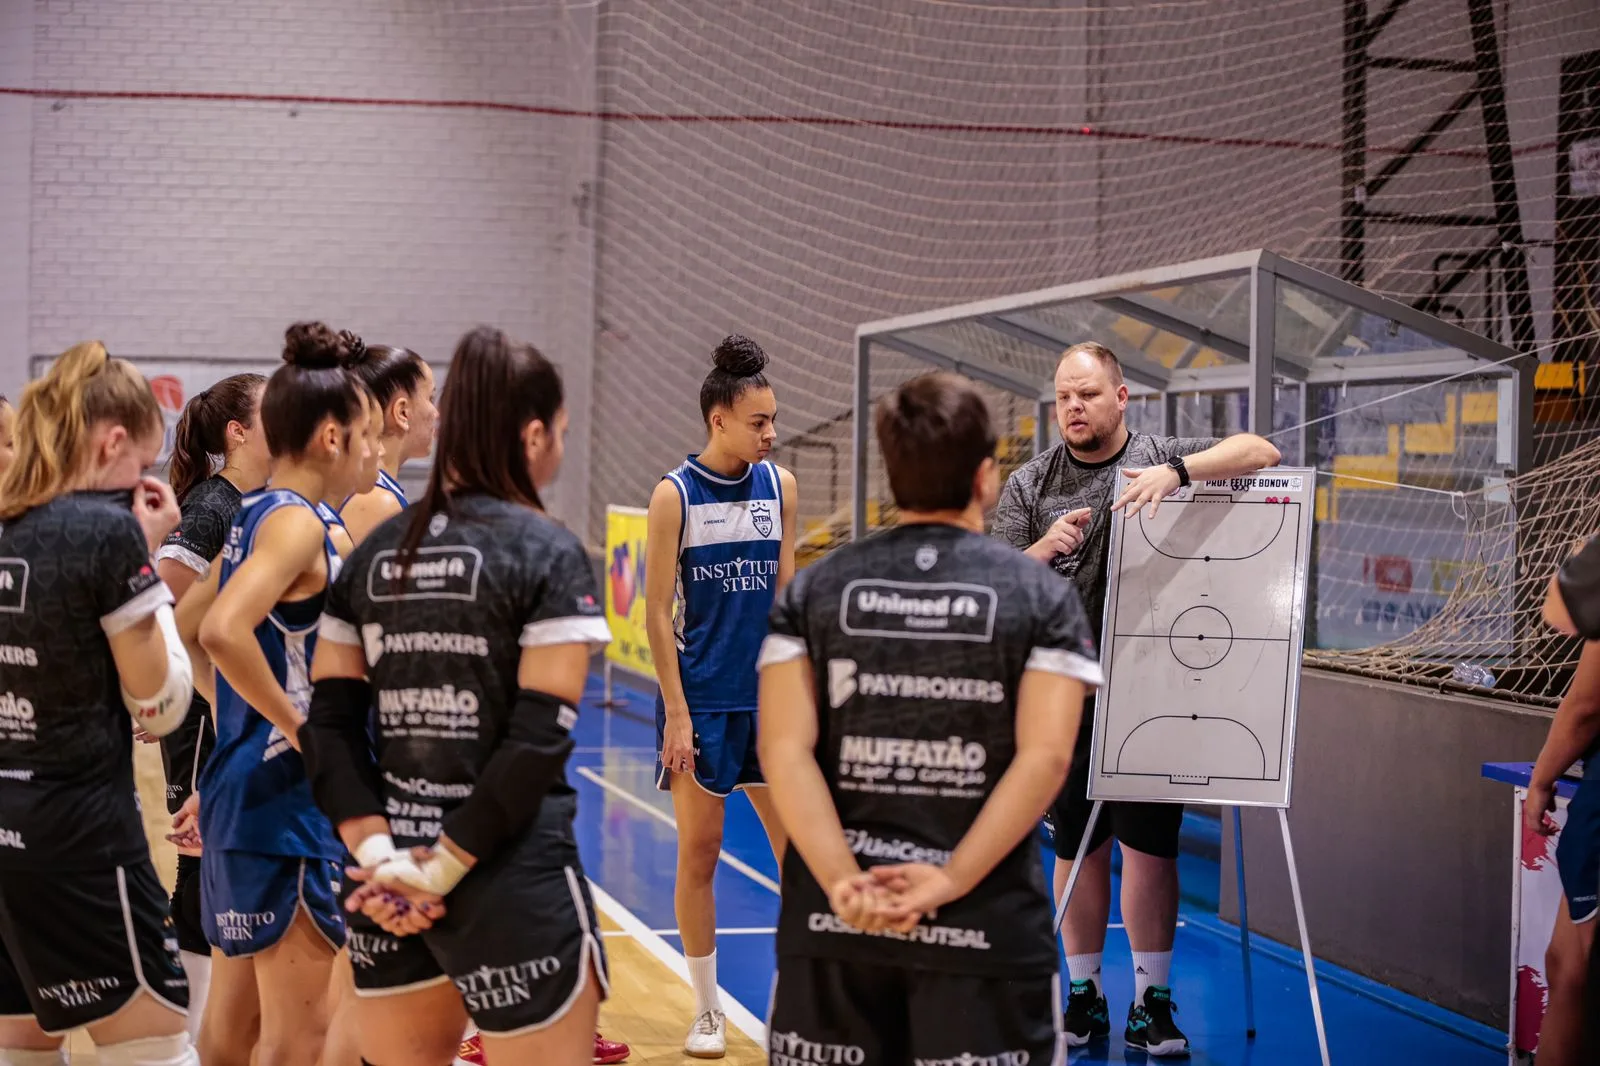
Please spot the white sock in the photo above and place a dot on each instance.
(1085, 967)
(703, 976)
(21, 1057)
(197, 968)
(150, 1051)
(1150, 968)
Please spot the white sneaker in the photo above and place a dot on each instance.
(708, 1036)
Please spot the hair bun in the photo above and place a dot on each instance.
(313, 346)
(740, 356)
(356, 350)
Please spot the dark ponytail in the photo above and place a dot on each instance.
(737, 365)
(496, 386)
(202, 429)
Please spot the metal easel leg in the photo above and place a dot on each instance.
(1077, 865)
(1244, 928)
(1305, 939)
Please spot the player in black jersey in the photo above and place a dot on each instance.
(86, 638)
(469, 619)
(8, 439)
(920, 695)
(219, 423)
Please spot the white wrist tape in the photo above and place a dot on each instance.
(163, 712)
(438, 873)
(377, 848)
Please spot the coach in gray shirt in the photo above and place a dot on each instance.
(1057, 508)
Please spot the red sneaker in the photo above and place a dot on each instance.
(609, 1051)
(471, 1051)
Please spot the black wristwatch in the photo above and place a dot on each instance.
(1176, 462)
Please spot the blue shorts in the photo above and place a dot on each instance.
(724, 750)
(1578, 848)
(249, 900)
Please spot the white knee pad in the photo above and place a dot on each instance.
(23, 1057)
(171, 1050)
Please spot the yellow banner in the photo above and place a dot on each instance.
(625, 535)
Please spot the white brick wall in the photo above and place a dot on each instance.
(203, 228)
(16, 189)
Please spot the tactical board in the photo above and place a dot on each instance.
(1201, 644)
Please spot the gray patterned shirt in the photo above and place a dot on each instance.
(1053, 483)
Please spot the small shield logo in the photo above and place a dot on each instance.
(761, 517)
(926, 556)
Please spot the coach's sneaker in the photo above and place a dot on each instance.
(1150, 1025)
(708, 1036)
(1087, 1017)
(607, 1052)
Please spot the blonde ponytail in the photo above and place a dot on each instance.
(55, 419)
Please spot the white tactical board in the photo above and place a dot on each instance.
(1204, 627)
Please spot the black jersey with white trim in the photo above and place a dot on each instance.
(207, 512)
(72, 572)
(443, 642)
(918, 638)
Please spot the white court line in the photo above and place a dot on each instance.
(737, 1014)
(720, 932)
(660, 815)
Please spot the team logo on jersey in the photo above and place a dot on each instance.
(761, 517)
(437, 524)
(911, 610)
(927, 556)
(433, 573)
(841, 681)
(13, 585)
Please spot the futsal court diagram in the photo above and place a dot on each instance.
(1203, 636)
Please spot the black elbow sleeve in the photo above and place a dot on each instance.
(337, 749)
(513, 783)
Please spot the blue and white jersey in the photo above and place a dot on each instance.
(256, 797)
(393, 487)
(727, 577)
(329, 516)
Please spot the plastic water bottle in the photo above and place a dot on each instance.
(1472, 674)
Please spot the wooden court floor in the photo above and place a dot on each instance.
(649, 1006)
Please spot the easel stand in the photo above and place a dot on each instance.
(1244, 917)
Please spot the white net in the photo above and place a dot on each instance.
(790, 169)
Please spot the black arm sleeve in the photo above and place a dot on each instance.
(1579, 581)
(515, 780)
(337, 750)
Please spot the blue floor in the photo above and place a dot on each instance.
(630, 853)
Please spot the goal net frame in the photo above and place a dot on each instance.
(1253, 323)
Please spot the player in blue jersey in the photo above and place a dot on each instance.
(403, 385)
(720, 545)
(271, 866)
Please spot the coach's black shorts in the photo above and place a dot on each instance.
(186, 915)
(75, 947)
(517, 937)
(1148, 828)
(824, 1010)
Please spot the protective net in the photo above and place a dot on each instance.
(790, 170)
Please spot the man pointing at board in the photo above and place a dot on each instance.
(1057, 507)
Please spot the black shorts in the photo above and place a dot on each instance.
(825, 1010)
(517, 937)
(75, 947)
(1148, 828)
(186, 915)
